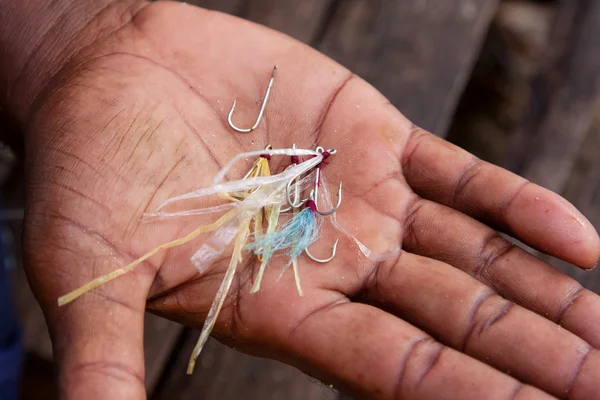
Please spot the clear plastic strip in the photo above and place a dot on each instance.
(251, 183)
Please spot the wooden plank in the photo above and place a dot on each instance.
(497, 94)
(160, 337)
(38, 379)
(223, 373)
(234, 7)
(418, 53)
(583, 190)
(564, 98)
(299, 19)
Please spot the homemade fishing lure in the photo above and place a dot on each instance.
(248, 197)
(296, 235)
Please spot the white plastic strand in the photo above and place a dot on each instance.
(252, 183)
(161, 215)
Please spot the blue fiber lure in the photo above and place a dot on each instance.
(294, 237)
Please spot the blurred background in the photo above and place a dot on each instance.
(515, 82)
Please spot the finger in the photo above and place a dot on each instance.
(99, 348)
(447, 235)
(97, 339)
(442, 172)
(358, 348)
(470, 317)
(371, 353)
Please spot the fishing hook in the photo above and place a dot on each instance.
(260, 113)
(314, 194)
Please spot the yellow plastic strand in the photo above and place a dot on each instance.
(260, 167)
(215, 309)
(295, 268)
(273, 218)
(258, 227)
(69, 297)
(261, 170)
(297, 277)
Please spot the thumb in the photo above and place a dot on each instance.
(99, 349)
(98, 338)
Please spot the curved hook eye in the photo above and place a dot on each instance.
(321, 150)
(260, 113)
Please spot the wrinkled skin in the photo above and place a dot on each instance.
(139, 115)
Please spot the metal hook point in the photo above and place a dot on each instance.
(260, 113)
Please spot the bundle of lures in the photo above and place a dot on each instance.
(288, 202)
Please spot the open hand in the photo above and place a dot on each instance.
(140, 115)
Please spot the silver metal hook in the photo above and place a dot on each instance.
(288, 197)
(293, 203)
(326, 260)
(314, 194)
(260, 113)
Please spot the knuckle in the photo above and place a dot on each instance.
(486, 312)
(494, 249)
(421, 360)
(472, 170)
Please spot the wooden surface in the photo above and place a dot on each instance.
(223, 373)
(302, 20)
(418, 53)
(563, 100)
